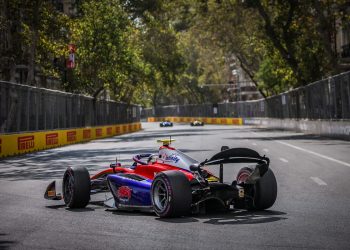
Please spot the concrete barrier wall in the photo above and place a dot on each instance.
(332, 128)
(26, 108)
(206, 120)
(327, 99)
(22, 143)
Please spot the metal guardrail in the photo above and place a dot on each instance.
(26, 108)
(325, 99)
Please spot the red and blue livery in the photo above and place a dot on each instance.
(171, 183)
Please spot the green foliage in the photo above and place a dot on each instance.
(104, 55)
(52, 46)
(163, 52)
(274, 78)
(131, 54)
(280, 44)
(302, 34)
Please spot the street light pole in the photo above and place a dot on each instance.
(236, 74)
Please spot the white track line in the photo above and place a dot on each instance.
(266, 150)
(254, 144)
(314, 153)
(284, 160)
(318, 181)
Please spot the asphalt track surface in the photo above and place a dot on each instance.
(312, 210)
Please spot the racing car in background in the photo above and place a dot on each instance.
(166, 124)
(197, 123)
(172, 184)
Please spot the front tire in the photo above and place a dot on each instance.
(171, 194)
(76, 187)
(264, 191)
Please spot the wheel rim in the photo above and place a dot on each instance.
(249, 191)
(242, 177)
(68, 187)
(160, 195)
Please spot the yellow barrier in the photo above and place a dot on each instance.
(15, 144)
(206, 120)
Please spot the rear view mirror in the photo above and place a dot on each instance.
(194, 167)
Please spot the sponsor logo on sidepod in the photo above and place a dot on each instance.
(124, 193)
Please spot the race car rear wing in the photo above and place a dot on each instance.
(239, 155)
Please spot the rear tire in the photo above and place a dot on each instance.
(76, 187)
(264, 191)
(171, 194)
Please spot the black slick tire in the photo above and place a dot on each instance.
(76, 187)
(171, 194)
(264, 191)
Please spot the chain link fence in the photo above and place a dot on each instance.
(325, 99)
(25, 108)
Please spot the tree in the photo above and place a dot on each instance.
(162, 52)
(106, 58)
(294, 37)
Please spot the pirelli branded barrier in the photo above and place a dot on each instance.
(206, 120)
(15, 144)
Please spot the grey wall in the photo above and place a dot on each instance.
(25, 108)
(325, 99)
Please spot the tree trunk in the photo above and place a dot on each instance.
(325, 28)
(33, 44)
(250, 74)
(287, 55)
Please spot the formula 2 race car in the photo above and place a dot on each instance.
(173, 184)
(166, 124)
(197, 123)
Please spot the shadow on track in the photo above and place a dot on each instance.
(5, 243)
(165, 133)
(231, 218)
(246, 217)
(75, 210)
(52, 166)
